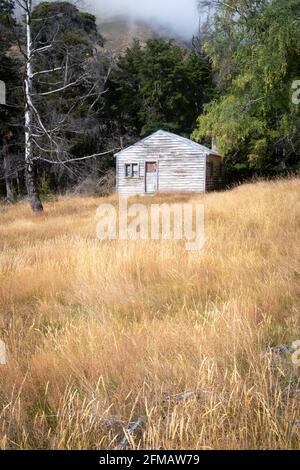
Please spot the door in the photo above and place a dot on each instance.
(151, 177)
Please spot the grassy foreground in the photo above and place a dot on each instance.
(100, 334)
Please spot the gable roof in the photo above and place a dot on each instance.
(174, 137)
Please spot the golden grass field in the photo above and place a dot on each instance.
(99, 334)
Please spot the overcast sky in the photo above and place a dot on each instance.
(180, 15)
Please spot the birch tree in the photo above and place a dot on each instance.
(30, 168)
(44, 47)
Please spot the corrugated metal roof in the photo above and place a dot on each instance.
(174, 137)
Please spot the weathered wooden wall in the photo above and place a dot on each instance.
(181, 164)
(214, 173)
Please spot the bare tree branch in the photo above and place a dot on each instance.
(58, 90)
(42, 72)
(71, 160)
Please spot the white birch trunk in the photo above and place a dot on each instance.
(30, 168)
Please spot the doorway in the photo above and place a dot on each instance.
(151, 177)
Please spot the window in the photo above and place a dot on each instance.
(132, 170)
(128, 170)
(151, 167)
(135, 170)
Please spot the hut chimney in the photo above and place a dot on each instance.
(214, 146)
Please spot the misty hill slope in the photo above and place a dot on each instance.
(119, 32)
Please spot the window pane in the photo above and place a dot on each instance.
(128, 170)
(135, 170)
(151, 167)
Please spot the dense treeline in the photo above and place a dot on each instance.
(254, 48)
(234, 83)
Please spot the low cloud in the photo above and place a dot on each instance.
(181, 16)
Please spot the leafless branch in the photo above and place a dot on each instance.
(72, 160)
(42, 72)
(58, 90)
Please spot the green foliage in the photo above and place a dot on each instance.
(69, 17)
(6, 20)
(254, 118)
(44, 189)
(158, 86)
(70, 28)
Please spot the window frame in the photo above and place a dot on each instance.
(131, 175)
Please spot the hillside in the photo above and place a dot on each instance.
(99, 334)
(119, 32)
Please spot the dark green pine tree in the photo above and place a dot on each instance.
(159, 86)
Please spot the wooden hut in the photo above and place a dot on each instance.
(165, 162)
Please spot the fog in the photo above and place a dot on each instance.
(181, 16)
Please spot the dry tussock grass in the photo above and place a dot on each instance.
(101, 333)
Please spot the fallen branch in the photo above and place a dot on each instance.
(131, 430)
(141, 420)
